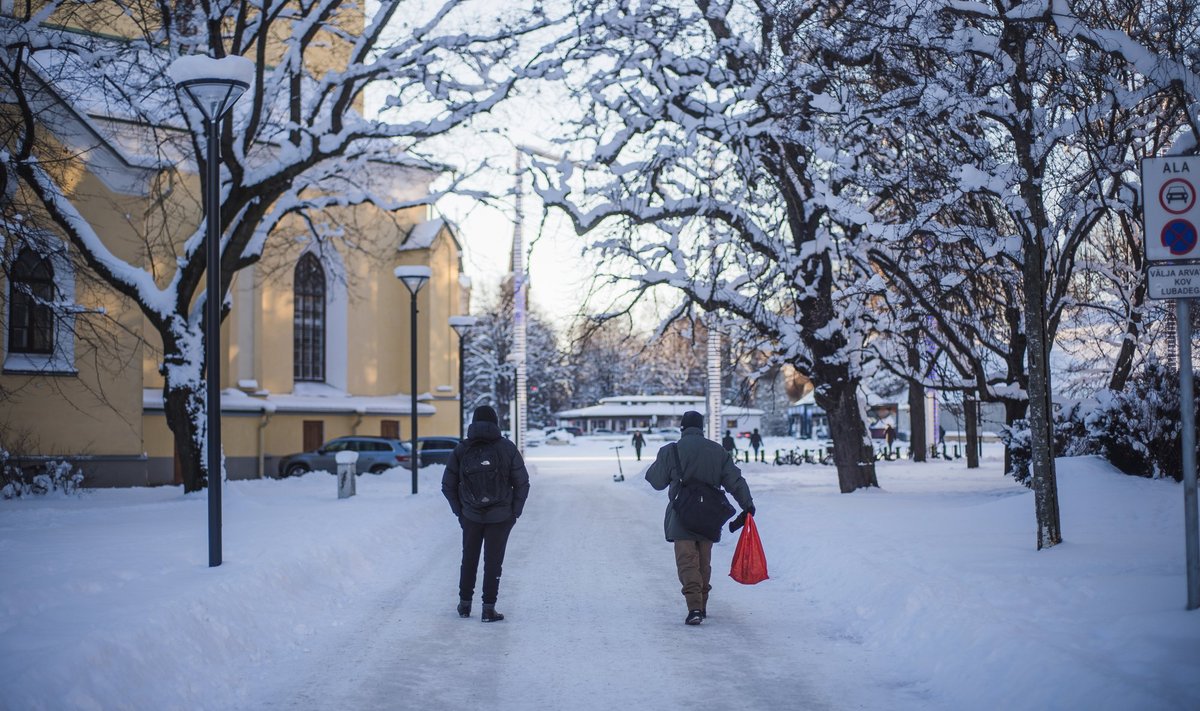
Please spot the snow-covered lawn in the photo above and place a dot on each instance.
(925, 594)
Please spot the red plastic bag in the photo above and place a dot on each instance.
(749, 561)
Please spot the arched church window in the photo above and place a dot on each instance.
(308, 321)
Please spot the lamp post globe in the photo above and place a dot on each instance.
(213, 86)
(462, 324)
(413, 279)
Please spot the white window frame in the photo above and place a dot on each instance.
(62, 360)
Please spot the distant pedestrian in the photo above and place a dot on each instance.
(486, 484)
(701, 460)
(756, 444)
(889, 435)
(638, 442)
(729, 445)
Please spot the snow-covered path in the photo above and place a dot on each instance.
(593, 621)
(925, 594)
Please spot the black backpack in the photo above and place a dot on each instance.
(701, 507)
(482, 480)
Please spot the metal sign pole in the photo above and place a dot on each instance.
(1171, 245)
(1188, 418)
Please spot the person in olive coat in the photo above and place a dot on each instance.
(706, 461)
(485, 528)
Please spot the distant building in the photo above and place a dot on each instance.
(625, 413)
(807, 420)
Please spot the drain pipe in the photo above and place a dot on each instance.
(263, 418)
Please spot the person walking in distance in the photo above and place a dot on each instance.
(706, 461)
(729, 445)
(486, 484)
(756, 444)
(638, 442)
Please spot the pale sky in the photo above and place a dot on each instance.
(558, 274)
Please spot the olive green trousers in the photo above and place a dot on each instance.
(693, 561)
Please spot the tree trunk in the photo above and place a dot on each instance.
(917, 440)
(183, 401)
(852, 451)
(1123, 365)
(971, 415)
(1041, 422)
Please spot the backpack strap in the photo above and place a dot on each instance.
(678, 463)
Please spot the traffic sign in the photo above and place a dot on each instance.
(1171, 208)
(1177, 196)
(1173, 281)
(1179, 237)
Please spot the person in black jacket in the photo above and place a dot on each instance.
(729, 445)
(484, 525)
(638, 442)
(756, 444)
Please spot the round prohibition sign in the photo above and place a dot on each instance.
(1177, 196)
(1179, 236)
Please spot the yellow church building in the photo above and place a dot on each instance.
(316, 344)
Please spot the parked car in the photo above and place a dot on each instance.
(375, 455)
(436, 450)
(669, 434)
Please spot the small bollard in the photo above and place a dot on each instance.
(346, 465)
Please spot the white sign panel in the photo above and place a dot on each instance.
(1173, 281)
(1172, 211)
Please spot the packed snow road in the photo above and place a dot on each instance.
(594, 620)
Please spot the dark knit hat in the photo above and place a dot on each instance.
(485, 413)
(691, 418)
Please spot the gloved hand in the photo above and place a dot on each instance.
(738, 521)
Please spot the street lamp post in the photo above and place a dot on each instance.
(414, 278)
(462, 324)
(213, 85)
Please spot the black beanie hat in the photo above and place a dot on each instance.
(691, 418)
(485, 413)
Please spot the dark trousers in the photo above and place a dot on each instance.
(492, 538)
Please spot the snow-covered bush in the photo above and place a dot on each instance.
(1137, 429)
(49, 477)
(1070, 440)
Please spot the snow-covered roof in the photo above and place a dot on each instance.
(643, 399)
(336, 402)
(423, 234)
(651, 405)
(132, 107)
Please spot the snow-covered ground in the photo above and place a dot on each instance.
(924, 594)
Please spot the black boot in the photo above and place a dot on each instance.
(694, 617)
(490, 614)
(464, 608)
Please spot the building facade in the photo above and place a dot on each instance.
(626, 413)
(315, 343)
